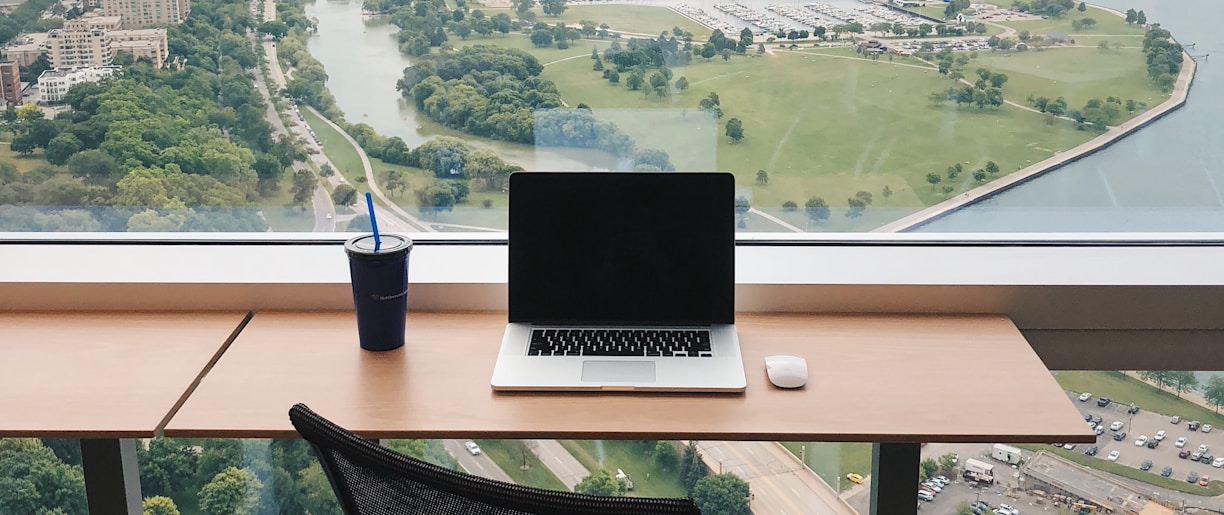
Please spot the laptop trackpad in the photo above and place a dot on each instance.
(618, 371)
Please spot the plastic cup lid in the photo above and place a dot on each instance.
(393, 246)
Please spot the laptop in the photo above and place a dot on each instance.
(621, 281)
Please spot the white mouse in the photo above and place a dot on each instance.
(786, 370)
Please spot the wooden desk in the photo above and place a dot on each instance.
(893, 379)
(102, 377)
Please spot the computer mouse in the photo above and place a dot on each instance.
(786, 370)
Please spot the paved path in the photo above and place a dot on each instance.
(479, 465)
(564, 465)
(780, 484)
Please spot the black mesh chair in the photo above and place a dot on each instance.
(370, 479)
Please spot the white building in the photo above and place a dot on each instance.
(54, 84)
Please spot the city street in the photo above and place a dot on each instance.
(479, 465)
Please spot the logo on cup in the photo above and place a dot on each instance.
(376, 296)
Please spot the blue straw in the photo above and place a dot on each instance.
(373, 222)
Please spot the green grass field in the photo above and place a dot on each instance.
(832, 461)
(509, 455)
(648, 479)
(1106, 23)
(281, 216)
(23, 163)
(1078, 74)
(341, 153)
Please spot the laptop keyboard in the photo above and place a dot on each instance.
(620, 342)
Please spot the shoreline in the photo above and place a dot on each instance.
(1177, 99)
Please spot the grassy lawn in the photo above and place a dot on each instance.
(832, 461)
(1124, 389)
(1077, 74)
(1152, 477)
(822, 124)
(23, 163)
(342, 154)
(1106, 23)
(508, 454)
(283, 217)
(627, 455)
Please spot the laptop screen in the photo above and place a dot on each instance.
(622, 248)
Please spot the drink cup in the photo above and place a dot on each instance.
(380, 289)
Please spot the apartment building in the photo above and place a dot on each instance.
(54, 84)
(143, 13)
(26, 48)
(10, 82)
(82, 42)
(148, 43)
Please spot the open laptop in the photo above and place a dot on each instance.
(621, 281)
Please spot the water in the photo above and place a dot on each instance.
(363, 62)
(1166, 177)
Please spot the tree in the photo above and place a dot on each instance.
(1131, 16)
(166, 466)
(275, 28)
(665, 455)
(992, 167)
(692, 469)
(1082, 7)
(159, 505)
(35, 481)
(682, 84)
(1160, 377)
(522, 6)
(816, 209)
(1214, 392)
(947, 462)
(601, 482)
(1141, 18)
(344, 195)
(542, 38)
(636, 79)
(553, 7)
(62, 147)
(316, 492)
(933, 179)
(304, 184)
(23, 144)
(762, 177)
(886, 192)
(233, 491)
(856, 209)
(725, 494)
(979, 175)
(735, 130)
(1183, 380)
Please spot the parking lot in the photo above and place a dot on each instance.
(1147, 424)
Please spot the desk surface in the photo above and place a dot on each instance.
(873, 378)
(101, 375)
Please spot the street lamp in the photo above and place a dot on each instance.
(720, 460)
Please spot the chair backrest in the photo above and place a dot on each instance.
(370, 479)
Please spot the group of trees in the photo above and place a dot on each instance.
(1099, 114)
(1164, 57)
(986, 91)
(1179, 381)
(149, 149)
(1050, 8)
(1133, 16)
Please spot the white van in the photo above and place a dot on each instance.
(926, 495)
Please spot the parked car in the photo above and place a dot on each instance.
(1141, 441)
(1160, 435)
(1206, 428)
(1113, 456)
(1176, 419)
(1181, 442)
(474, 449)
(1206, 458)
(1183, 454)
(1192, 478)
(1204, 481)
(1193, 425)
(1085, 396)
(1099, 430)
(1069, 446)
(1092, 451)
(925, 495)
(1218, 462)
(1146, 465)
(1103, 401)
(856, 478)
(1166, 472)
(1096, 419)
(1132, 409)
(942, 480)
(1202, 448)
(1152, 444)
(1119, 436)
(933, 486)
(1194, 456)
(1116, 425)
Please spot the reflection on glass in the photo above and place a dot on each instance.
(840, 115)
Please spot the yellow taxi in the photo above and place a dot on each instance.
(855, 478)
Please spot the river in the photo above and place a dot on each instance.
(1165, 178)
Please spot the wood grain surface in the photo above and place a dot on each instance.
(873, 378)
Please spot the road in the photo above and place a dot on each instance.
(324, 211)
(780, 484)
(564, 465)
(479, 465)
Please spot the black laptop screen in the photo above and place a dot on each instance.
(622, 248)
